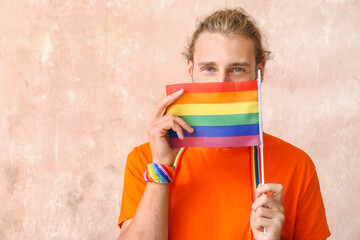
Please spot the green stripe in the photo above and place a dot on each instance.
(221, 120)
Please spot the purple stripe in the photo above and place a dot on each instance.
(239, 141)
(164, 171)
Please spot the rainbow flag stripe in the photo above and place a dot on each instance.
(255, 167)
(255, 170)
(178, 157)
(223, 114)
(213, 109)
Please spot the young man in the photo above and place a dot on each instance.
(210, 197)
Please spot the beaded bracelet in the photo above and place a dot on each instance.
(159, 173)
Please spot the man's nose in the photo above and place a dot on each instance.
(223, 77)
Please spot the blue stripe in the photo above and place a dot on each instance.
(160, 174)
(164, 173)
(257, 175)
(220, 131)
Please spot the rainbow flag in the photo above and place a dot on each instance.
(223, 114)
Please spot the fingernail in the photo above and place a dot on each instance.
(180, 91)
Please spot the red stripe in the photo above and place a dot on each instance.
(252, 173)
(252, 182)
(170, 173)
(213, 87)
(148, 175)
(239, 141)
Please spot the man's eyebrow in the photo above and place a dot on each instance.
(207, 64)
(235, 64)
(242, 64)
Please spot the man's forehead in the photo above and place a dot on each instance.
(214, 47)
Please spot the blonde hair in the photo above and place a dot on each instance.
(230, 22)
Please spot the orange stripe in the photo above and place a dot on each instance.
(218, 97)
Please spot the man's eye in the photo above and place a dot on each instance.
(208, 69)
(238, 70)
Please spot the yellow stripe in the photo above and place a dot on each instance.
(177, 156)
(153, 175)
(213, 109)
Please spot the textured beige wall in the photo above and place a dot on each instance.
(79, 79)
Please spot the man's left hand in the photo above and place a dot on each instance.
(267, 212)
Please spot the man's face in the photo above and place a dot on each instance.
(219, 58)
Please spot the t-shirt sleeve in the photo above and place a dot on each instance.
(311, 221)
(134, 186)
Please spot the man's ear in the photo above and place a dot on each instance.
(190, 70)
(261, 66)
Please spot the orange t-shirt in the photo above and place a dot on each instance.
(211, 195)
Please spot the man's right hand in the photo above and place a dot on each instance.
(157, 131)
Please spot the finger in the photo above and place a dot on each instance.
(161, 108)
(176, 128)
(270, 187)
(274, 188)
(161, 127)
(170, 122)
(272, 224)
(261, 223)
(266, 213)
(259, 194)
(272, 228)
(266, 201)
(181, 122)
